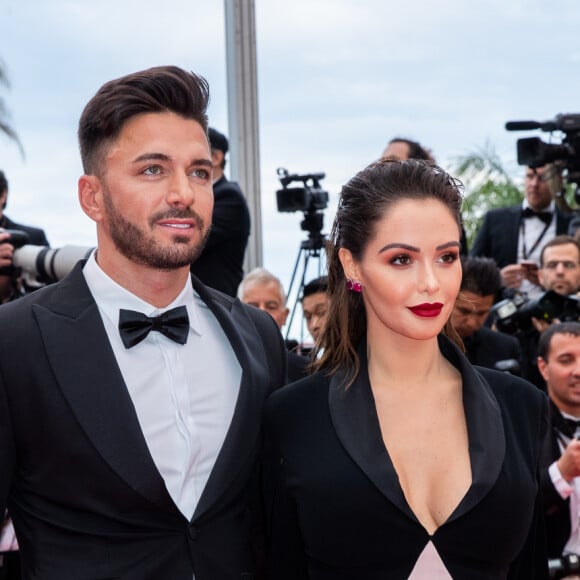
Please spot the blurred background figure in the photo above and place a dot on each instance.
(559, 363)
(36, 236)
(260, 288)
(400, 148)
(315, 305)
(480, 284)
(221, 264)
(514, 236)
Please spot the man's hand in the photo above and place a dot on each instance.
(6, 250)
(513, 275)
(569, 462)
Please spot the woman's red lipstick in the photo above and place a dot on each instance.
(427, 310)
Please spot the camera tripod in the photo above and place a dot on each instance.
(310, 248)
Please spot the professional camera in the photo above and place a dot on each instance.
(564, 566)
(515, 313)
(308, 198)
(42, 265)
(533, 152)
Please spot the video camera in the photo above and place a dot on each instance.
(309, 199)
(515, 312)
(534, 152)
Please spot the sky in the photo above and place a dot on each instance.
(336, 80)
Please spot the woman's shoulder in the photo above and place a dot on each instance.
(305, 393)
(512, 390)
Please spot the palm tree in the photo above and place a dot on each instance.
(487, 185)
(5, 126)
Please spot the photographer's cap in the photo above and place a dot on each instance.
(217, 140)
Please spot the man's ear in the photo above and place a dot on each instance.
(543, 368)
(91, 196)
(349, 265)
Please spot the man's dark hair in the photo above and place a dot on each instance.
(416, 150)
(155, 90)
(561, 240)
(218, 141)
(481, 276)
(315, 286)
(3, 182)
(572, 328)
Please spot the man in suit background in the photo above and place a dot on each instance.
(260, 288)
(36, 236)
(559, 363)
(514, 236)
(129, 438)
(480, 283)
(221, 263)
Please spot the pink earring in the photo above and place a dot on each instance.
(353, 286)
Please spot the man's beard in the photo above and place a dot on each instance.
(142, 249)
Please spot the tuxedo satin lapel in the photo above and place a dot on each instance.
(240, 441)
(72, 330)
(354, 416)
(484, 428)
(513, 233)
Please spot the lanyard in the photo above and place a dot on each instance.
(524, 250)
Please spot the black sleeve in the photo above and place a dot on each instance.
(532, 561)
(7, 451)
(285, 554)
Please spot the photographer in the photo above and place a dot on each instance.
(514, 236)
(559, 272)
(559, 364)
(480, 284)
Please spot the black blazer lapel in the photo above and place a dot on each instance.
(484, 428)
(355, 420)
(72, 330)
(512, 233)
(354, 416)
(240, 444)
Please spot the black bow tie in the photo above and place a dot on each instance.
(545, 216)
(135, 326)
(569, 427)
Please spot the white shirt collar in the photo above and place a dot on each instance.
(111, 297)
(551, 208)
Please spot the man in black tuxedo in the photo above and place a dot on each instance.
(559, 363)
(480, 283)
(514, 236)
(130, 393)
(221, 264)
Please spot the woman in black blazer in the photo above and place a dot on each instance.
(399, 459)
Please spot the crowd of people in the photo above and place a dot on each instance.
(155, 424)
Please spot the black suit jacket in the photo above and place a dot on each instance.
(497, 237)
(221, 264)
(336, 510)
(486, 347)
(36, 236)
(557, 510)
(83, 491)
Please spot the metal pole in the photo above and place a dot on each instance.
(243, 115)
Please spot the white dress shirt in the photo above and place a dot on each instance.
(533, 228)
(568, 490)
(184, 395)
